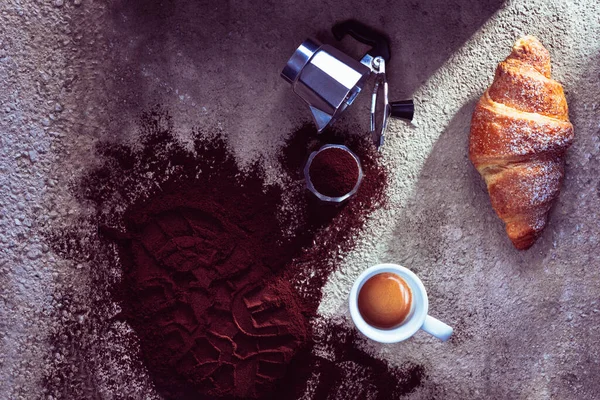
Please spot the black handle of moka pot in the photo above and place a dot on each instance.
(379, 42)
(380, 47)
(404, 109)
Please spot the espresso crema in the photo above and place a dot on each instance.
(385, 300)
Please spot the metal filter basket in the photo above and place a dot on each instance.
(321, 196)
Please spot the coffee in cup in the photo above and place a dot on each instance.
(385, 300)
(383, 310)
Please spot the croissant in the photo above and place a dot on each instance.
(520, 131)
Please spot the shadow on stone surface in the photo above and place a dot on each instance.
(223, 60)
(515, 310)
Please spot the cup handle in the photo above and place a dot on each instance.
(437, 328)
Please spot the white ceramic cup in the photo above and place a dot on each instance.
(416, 319)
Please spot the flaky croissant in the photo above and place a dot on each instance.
(520, 131)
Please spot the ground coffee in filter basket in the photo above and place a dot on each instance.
(219, 296)
(333, 172)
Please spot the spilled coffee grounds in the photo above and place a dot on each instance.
(333, 172)
(221, 299)
(202, 289)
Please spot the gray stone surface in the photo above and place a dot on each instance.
(75, 72)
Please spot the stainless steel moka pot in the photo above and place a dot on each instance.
(329, 80)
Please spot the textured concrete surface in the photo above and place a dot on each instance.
(73, 72)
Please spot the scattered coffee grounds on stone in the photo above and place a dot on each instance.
(337, 368)
(220, 299)
(335, 225)
(202, 291)
(333, 172)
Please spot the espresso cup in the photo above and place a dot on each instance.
(417, 317)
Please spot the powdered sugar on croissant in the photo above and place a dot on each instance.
(520, 131)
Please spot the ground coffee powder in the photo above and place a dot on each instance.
(219, 297)
(203, 294)
(333, 172)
